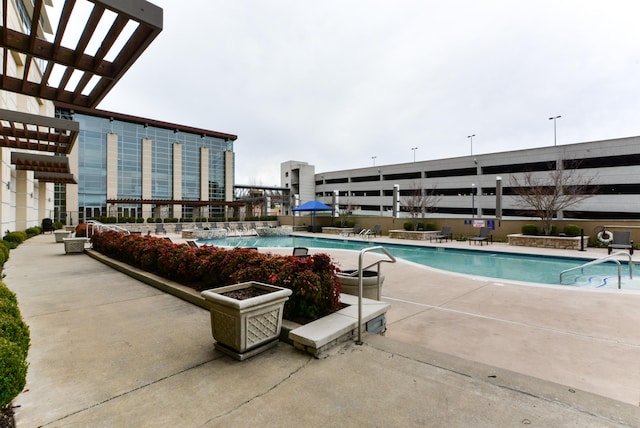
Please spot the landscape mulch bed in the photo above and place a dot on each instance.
(6, 417)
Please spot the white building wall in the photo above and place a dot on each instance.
(301, 179)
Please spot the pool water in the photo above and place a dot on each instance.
(518, 267)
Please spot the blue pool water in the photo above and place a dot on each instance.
(518, 267)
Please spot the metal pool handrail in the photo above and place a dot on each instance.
(360, 274)
(606, 259)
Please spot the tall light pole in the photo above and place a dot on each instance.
(473, 200)
(470, 137)
(414, 153)
(554, 128)
(374, 160)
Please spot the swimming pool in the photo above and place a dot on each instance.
(517, 267)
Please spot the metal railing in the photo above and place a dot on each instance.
(94, 224)
(605, 259)
(360, 276)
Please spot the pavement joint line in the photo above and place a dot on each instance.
(517, 323)
(79, 308)
(262, 394)
(139, 388)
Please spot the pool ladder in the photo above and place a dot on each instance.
(361, 269)
(605, 259)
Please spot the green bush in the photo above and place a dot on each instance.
(13, 371)
(17, 237)
(7, 306)
(151, 220)
(10, 245)
(430, 226)
(7, 294)
(15, 330)
(14, 346)
(58, 225)
(529, 229)
(33, 231)
(4, 249)
(408, 225)
(572, 230)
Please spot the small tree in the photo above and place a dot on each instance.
(418, 202)
(546, 196)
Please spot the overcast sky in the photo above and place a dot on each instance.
(336, 82)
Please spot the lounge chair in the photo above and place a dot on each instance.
(445, 234)
(356, 230)
(621, 241)
(484, 235)
(160, 228)
(178, 227)
(192, 244)
(377, 229)
(301, 252)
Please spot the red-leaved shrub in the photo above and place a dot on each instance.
(315, 286)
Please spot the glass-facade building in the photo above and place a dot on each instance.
(133, 167)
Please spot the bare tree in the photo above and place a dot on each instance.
(546, 196)
(419, 202)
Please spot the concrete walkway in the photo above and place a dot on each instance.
(459, 351)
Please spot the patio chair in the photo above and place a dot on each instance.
(47, 225)
(160, 228)
(445, 234)
(192, 244)
(356, 230)
(377, 229)
(301, 252)
(484, 235)
(621, 241)
(178, 227)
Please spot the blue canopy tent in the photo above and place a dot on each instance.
(313, 207)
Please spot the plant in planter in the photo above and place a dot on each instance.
(246, 318)
(315, 286)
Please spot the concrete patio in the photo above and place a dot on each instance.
(461, 351)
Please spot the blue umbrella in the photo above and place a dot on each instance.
(313, 207)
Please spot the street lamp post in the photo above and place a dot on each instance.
(473, 201)
(554, 128)
(374, 160)
(470, 137)
(414, 153)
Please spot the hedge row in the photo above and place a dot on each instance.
(14, 346)
(316, 288)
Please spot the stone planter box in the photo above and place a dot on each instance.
(370, 289)
(60, 234)
(416, 235)
(559, 242)
(244, 328)
(74, 245)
